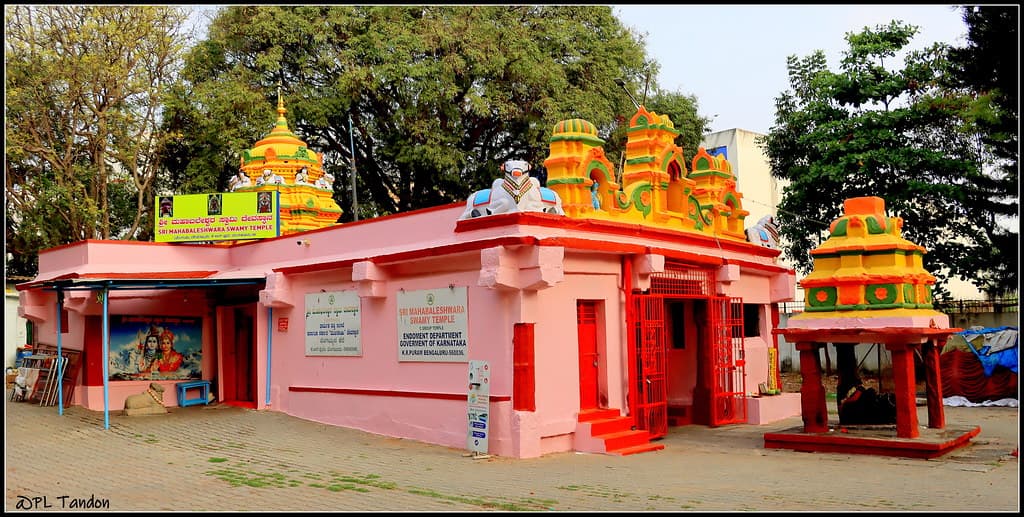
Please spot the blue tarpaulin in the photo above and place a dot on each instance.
(998, 347)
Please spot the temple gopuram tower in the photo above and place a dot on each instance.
(283, 163)
(655, 190)
(577, 168)
(714, 187)
(648, 138)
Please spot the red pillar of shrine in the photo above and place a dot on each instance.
(812, 393)
(933, 382)
(906, 398)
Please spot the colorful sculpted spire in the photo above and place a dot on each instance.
(868, 274)
(283, 163)
(280, 143)
(655, 189)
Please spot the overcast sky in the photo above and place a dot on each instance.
(746, 46)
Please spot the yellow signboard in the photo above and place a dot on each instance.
(217, 217)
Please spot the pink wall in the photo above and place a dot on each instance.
(378, 369)
(92, 257)
(557, 345)
(493, 313)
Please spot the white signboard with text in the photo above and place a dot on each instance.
(433, 325)
(477, 405)
(333, 324)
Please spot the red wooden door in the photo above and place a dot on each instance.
(586, 330)
(650, 384)
(93, 351)
(239, 359)
(244, 358)
(728, 391)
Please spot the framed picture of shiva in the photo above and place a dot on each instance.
(155, 347)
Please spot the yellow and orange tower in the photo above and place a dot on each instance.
(305, 203)
(656, 189)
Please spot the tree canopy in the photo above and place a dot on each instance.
(436, 96)
(874, 128)
(989, 68)
(84, 86)
(99, 121)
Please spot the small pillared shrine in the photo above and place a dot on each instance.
(868, 286)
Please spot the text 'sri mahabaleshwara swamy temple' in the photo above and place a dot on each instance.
(590, 314)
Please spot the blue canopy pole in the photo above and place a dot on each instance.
(106, 359)
(270, 339)
(60, 376)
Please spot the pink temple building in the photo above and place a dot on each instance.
(605, 308)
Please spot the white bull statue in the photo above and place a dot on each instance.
(516, 191)
(765, 233)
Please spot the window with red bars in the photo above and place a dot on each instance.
(586, 312)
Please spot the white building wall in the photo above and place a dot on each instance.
(14, 326)
(761, 192)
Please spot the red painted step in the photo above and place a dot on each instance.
(611, 433)
(623, 439)
(610, 425)
(645, 447)
(597, 414)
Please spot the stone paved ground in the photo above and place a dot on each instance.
(231, 459)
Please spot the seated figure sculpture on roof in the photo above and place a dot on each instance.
(269, 178)
(239, 180)
(326, 181)
(516, 191)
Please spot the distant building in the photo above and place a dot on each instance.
(761, 192)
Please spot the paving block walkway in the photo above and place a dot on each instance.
(220, 458)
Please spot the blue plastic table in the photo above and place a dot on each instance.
(204, 393)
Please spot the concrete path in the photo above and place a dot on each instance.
(230, 459)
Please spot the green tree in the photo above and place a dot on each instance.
(876, 129)
(438, 96)
(84, 86)
(988, 68)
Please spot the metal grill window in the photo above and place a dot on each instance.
(677, 281)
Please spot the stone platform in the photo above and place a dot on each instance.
(880, 440)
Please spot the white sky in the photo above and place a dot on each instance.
(733, 57)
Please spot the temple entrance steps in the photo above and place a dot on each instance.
(605, 431)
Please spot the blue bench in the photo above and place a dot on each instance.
(204, 393)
